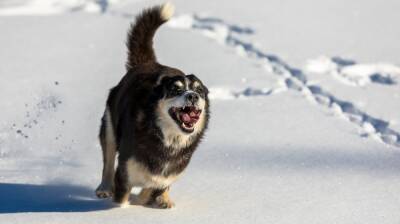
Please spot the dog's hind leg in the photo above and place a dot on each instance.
(156, 198)
(109, 148)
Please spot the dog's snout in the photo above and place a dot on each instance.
(192, 97)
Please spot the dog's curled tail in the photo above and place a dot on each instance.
(141, 33)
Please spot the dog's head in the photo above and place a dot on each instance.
(183, 105)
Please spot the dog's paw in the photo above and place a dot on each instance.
(104, 192)
(162, 203)
(124, 204)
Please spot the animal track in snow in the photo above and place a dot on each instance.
(295, 78)
(226, 93)
(355, 74)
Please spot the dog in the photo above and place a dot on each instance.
(154, 120)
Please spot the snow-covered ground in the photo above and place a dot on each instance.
(305, 121)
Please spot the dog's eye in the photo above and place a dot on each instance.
(177, 89)
(200, 90)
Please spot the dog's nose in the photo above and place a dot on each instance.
(192, 97)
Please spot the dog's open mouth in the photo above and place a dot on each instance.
(186, 117)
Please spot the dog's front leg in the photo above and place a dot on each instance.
(122, 187)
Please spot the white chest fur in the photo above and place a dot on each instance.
(140, 176)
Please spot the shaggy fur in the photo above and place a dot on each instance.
(154, 120)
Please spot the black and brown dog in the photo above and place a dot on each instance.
(154, 120)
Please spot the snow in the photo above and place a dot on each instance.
(349, 72)
(45, 7)
(292, 139)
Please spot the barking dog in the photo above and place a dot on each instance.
(154, 119)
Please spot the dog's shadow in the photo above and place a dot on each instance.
(16, 198)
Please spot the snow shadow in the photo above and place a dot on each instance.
(18, 198)
(369, 162)
(104, 4)
(381, 79)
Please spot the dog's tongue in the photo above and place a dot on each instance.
(186, 118)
